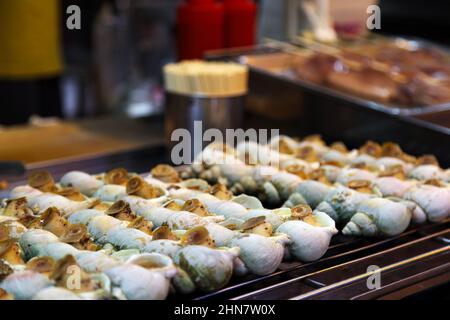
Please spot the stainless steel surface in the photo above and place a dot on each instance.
(182, 112)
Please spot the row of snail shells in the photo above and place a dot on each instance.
(61, 230)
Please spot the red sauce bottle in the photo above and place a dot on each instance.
(200, 27)
(240, 23)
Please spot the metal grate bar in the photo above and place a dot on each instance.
(340, 266)
(365, 275)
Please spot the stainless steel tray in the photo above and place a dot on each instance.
(277, 64)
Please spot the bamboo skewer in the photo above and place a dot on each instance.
(318, 13)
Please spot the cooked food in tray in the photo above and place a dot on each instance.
(137, 237)
(146, 236)
(380, 71)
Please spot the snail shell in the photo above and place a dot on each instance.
(434, 201)
(308, 242)
(379, 216)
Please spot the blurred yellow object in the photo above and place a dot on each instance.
(30, 44)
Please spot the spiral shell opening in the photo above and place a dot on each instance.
(71, 193)
(163, 232)
(253, 222)
(301, 211)
(116, 176)
(314, 138)
(5, 295)
(4, 232)
(75, 233)
(17, 208)
(197, 236)
(371, 148)
(339, 146)
(258, 225)
(141, 224)
(195, 206)
(121, 210)
(65, 268)
(173, 205)
(196, 184)
(51, 220)
(220, 191)
(427, 159)
(394, 171)
(391, 149)
(44, 265)
(319, 175)
(332, 163)
(5, 270)
(296, 169)
(363, 186)
(284, 147)
(165, 173)
(435, 182)
(138, 187)
(10, 252)
(307, 153)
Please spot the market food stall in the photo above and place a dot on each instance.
(355, 184)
